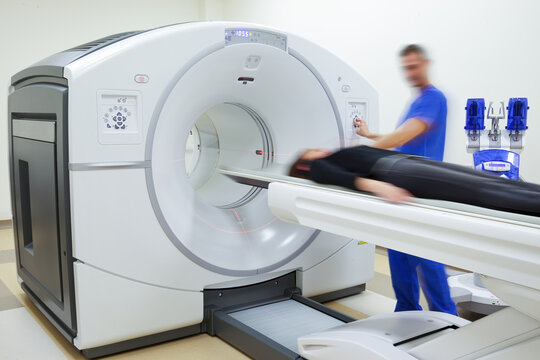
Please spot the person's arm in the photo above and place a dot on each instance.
(383, 189)
(420, 120)
(325, 172)
(363, 130)
(403, 134)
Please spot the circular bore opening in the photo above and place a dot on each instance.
(226, 136)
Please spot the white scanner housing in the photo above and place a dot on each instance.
(149, 118)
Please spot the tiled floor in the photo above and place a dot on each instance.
(26, 334)
(18, 330)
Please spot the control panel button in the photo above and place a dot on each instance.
(141, 78)
(252, 62)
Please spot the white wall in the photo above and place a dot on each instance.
(31, 30)
(481, 48)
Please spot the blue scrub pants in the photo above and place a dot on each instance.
(407, 270)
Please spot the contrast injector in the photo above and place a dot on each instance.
(474, 123)
(496, 151)
(517, 121)
(495, 113)
(511, 137)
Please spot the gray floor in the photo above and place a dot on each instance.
(7, 299)
(7, 256)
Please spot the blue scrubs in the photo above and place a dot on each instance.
(409, 271)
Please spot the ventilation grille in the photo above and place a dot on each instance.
(96, 44)
(53, 66)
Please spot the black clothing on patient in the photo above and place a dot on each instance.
(344, 166)
(427, 179)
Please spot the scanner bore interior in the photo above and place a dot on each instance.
(213, 144)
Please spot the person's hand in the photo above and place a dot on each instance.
(384, 190)
(393, 193)
(362, 128)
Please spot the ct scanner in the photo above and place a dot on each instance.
(130, 230)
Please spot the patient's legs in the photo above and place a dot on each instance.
(443, 181)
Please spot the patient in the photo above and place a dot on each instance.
(397, 177)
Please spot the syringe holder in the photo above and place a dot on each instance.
(517, 115)
(516, 140)
(475, 115)
(494, 139)
(473, 140)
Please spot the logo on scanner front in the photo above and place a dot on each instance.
(496, 166)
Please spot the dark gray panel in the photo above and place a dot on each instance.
(42, 213)
(35, 192)
(41, 80)
(338, 294)
(322, 308)
(142, 341)
(256, 293)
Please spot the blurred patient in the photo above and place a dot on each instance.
(398, 176)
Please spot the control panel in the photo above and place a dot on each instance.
(251, 36)
(356, 110)
(119, 117)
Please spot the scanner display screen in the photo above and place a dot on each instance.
(253, 36)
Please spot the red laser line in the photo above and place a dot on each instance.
(216, 228)
(263, 226)
(241, 223)
(243, 228)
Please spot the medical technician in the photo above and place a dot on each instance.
(421, 131)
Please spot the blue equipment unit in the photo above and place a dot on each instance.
(498, 162)
(517, 114)
(475, 114)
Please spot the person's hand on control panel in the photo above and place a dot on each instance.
(362, 128)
